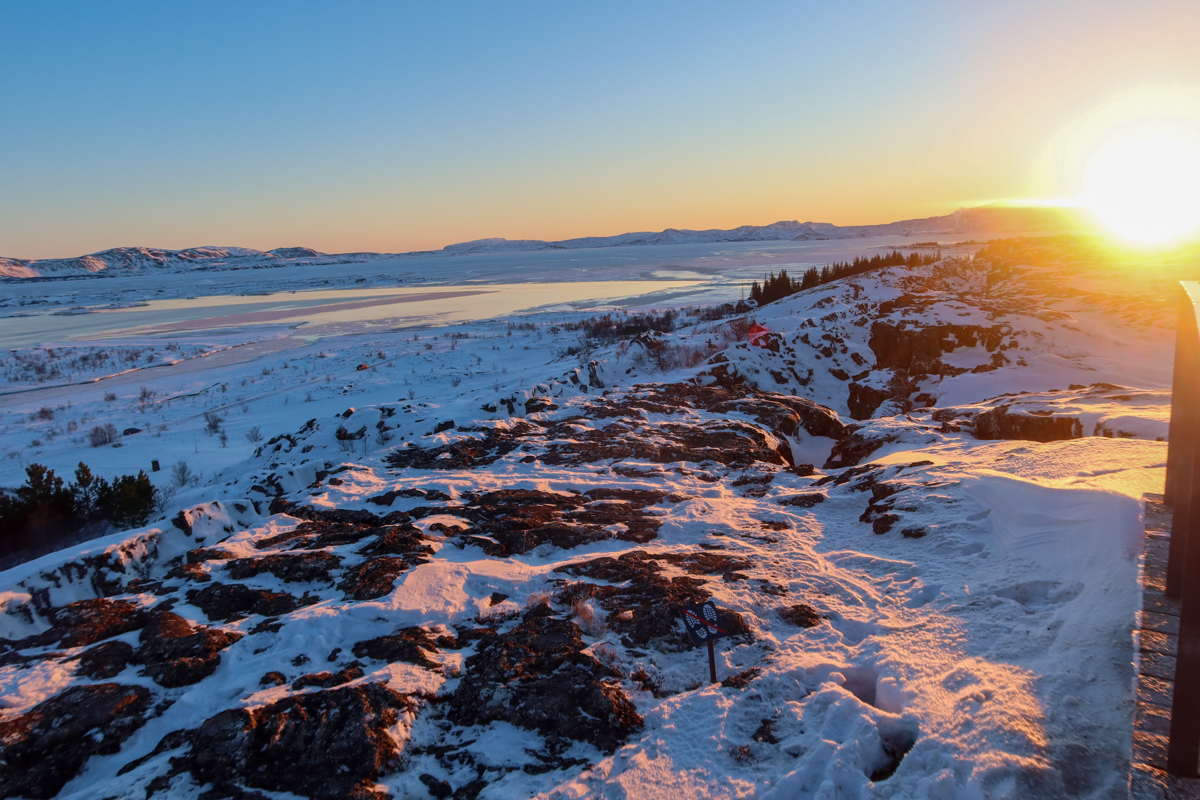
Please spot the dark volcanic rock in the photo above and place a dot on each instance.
(327, 680)
(537, 676)
(641, 601)
(203, 554)
(801, 615)
(400, 541)
(999, 423)
(728, 442)
(857, 446)
(627, 434)
(373, 578)
(324, 745)
(223, 601)
(474, 451)
(290, 567)
(515, 521)
(105, 660)
(862, 400)
(919, 350)
(176, 653)
(784, 415)
(807, 500)
(88, 621)
(45, 747)
(410, 645)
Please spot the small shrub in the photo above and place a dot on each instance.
(254, 435)
(587, 619)
(104, 434)
(182, 475)
(742, 755)
(45, 412)
(212, 422)
(110, 396)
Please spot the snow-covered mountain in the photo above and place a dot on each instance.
(915, 503)
(983, 220)
(125, 260)
(132, 260)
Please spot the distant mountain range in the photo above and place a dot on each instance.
(983, 220)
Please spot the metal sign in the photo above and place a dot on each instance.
(701, 622)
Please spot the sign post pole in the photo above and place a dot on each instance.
(700, 622)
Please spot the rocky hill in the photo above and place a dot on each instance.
(915, 504)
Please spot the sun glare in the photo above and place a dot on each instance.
(1145, 187)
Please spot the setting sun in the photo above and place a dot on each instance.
(1146, 187)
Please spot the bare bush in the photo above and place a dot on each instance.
(45, 412)
(607, 655)
(587, 618)
(182, 475)
(677, 356)
(212, 422)
(254, 435)
(103, 434)
(110, 396)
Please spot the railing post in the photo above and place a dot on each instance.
(1181, 455)
(1183, 566)
(1185, 324)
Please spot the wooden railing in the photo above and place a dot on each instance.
(1183, 566)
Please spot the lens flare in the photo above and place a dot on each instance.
(1145, 186)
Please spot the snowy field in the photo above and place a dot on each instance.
(917, 506)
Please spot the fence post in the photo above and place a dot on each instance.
(1183, 566)
(1181, 455)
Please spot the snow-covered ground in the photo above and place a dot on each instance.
(930, 578)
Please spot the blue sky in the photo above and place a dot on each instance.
(398, 126)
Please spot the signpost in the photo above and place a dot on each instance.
(700, 620)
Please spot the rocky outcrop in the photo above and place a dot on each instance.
(1003, 422)
(411, 645)
(537, 676)
(106, 660)
(323, 745)
(288, 567)
(642, 602)
(221, 601)
(515, 521)
(45, 747)
(373, 578)
(89, 621)
(918, 349)
(176, 653)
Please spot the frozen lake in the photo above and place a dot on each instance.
(405, 291)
